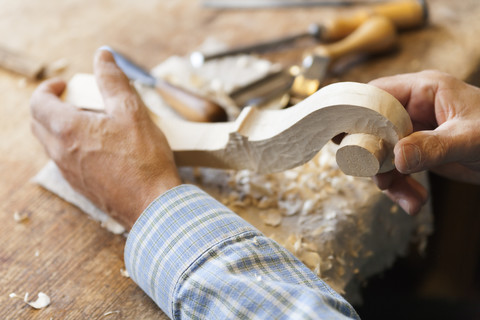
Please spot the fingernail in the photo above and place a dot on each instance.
(105, 48)
(412, 156)
(405, 205)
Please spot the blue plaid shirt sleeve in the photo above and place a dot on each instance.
(199, 260)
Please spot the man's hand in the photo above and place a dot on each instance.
(119, 159)
(446, 120)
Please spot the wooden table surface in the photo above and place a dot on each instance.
(59, 250)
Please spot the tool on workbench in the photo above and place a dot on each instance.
(263, 90)
(189, 105)
(404, 14)
(197, 58)
(21, 64)
(376, 35)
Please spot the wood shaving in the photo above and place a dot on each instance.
(271, 217)
(110, 313)
(343, 228)
(42, 301)
(124, 273)
(21, 216)
(113, 226)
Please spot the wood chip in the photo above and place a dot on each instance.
(21, 216)
(42, 301)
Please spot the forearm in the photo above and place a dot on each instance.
(196, 258)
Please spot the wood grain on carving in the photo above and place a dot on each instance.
(274, 140)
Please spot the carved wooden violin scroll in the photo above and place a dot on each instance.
(269, 141)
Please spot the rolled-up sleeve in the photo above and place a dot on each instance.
(197, 259)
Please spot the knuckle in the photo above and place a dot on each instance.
(433, 73)
(133, 106)
(435, 151)
(65, 131)
(61, 129)
(439, 76)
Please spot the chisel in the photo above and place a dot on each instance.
(404, 14)
(189, 105)
(376, 35)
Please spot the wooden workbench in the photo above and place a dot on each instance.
(59, 250)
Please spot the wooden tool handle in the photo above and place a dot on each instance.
(20, 64)
(404, 14)
(190, 106)
(375, 35)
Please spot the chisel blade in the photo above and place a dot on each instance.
(314, 70)
(263, 90)
(131, 70)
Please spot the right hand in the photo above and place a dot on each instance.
(446, 140)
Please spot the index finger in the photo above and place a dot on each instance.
(399, 86)
(417, 92)
(112, 82)
(47, 108)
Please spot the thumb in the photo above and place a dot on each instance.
(423, 150)
(114, 86)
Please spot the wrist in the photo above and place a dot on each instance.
(152, 192)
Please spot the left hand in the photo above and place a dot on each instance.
(119, 159)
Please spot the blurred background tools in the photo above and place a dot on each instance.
(374, 36)
(189, 105)
(366, 31)
(197, 58)
(404, 14)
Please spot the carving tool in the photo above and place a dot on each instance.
(197, 58)
(404, 14)
(189, 105)
(374, 36)
(260, 92)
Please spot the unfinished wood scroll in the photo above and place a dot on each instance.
(268, 141)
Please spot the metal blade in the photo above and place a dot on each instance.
(310, 77)
(263, 90)
(315, 66)
(132, 70)
(314, 31)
